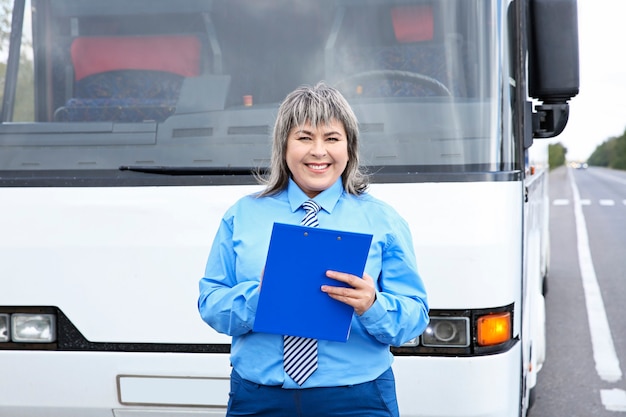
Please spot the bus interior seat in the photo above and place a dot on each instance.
(129, 79)
(413, 48)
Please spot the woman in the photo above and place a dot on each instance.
(315, 157)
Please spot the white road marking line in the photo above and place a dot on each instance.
(613, 399)
(607, 363)
(585, 202)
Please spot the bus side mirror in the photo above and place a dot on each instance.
(553, 63)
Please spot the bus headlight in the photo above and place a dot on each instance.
(4, 328)
(412, 343)
(447, 332)
(33, 328)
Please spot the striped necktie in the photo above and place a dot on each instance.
(300, 353)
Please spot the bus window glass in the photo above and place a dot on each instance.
(20, 108)
(197, 84)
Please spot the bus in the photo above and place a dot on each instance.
(128, 127)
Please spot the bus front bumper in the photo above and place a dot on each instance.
(485, 386)
(113, 384)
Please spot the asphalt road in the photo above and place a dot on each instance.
(586, 299)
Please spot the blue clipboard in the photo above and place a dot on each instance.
(291, 301)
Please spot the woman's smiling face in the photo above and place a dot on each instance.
(317, 156)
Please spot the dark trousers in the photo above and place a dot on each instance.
(370, 399)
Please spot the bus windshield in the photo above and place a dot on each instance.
(195, 84)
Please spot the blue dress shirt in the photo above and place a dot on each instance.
(229, 290)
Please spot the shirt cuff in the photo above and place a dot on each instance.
(244, 307)
(374, 313)
(252, 300)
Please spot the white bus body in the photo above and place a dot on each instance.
(109, 203)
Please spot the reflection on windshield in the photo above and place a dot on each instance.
(198, 84)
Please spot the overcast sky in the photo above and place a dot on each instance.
(599, 111)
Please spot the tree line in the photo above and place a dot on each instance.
(611, 153)
(556, 155)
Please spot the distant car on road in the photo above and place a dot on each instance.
(578, 165)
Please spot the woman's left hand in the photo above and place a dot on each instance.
(360, 295)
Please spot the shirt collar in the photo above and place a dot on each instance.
(327, 199)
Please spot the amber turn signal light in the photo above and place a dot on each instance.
(493, 329)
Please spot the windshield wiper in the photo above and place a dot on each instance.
(182, 170)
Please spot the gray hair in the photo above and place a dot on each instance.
(317, 105)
